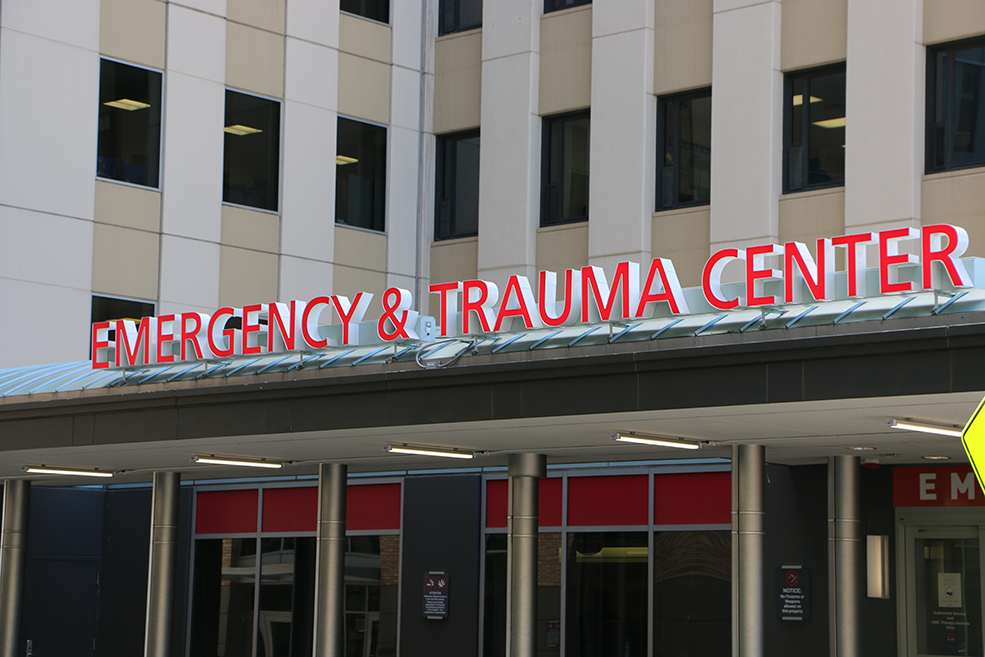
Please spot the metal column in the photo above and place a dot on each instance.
(330, 577)
(522, 527)
(748, 473)
(845, 574)
(163, 564)
(13, 563)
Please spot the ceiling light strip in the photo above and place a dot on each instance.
(43, 469)
(654, 441)
(212, 459)
(924, 428)
(422, 450)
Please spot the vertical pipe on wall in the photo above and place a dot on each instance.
(162, 564)
(330, 577)
(13, 563)
(844, 554)
(748, 472)
(522, 527)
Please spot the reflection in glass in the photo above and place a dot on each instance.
(815, 104)
(360, 183)
(223, 597)
(548, 595)
(607, 594)
(251, 154)
(129, 124)
(948, 596)
(457, 186)
(287, 578)
(566, 162)
(692, 594)
(371, 577)
(685, 174)
(969, 106)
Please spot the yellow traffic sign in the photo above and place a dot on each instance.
(973, 440)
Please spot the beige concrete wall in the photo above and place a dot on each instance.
(808, 216)
(945, 20)
(455, 260)
(562, 247)
(264, 14)
(958, 198)
(457, 81)
(566, 60)
(254, 60)
(246, 276)
(364, 88)
(684, 236)
(133, 30)
(682, 45)
(128, 206)
(349, 281)
(364, 38)
(125, 262)
(360, 248)
(250, 229)
(814, 32)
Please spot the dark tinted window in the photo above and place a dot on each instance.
(129, 124)
(252, 151)
(815, 128)
(555, 5)
(684, 170)
(956, 106)
(457, 186)
(564, 169)
(360, 191)
(378, 10)
(459, 15)
(107, 308)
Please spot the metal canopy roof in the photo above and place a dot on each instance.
(772, 320)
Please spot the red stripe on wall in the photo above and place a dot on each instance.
(226, 512)
(549, 502)
(372, 506)
(608, 501)
(699, 498)
(290, 509)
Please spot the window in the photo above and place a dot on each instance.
(564, 170)
(252, 151)
(684, 134)
(105, 309)
(956, 106)
(459, 15)
(360, 179)
(457, 186)
(555, 5)
(129, 147)
(814, 126)
(377, 10)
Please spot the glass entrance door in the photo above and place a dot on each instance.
(943, 585)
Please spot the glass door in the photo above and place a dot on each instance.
(943, 588)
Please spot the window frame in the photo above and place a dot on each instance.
(389, 7)
(454, 6)
(386, 174)
(277, 152)
(789, 80)
(948, 127)
(662, 103)
(160, 125)
(441, 177)
(551, 5)
(548, 124)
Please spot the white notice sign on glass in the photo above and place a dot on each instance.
(949, 589)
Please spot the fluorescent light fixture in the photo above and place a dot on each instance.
(831, 123)
(44, 469)
(937, 457)
(127, 104)
(212, 459)
(344, 159)
(862, 448)
(799, 100)
(241, 130)
(925, 428)
(422, 450)
(654, 441)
